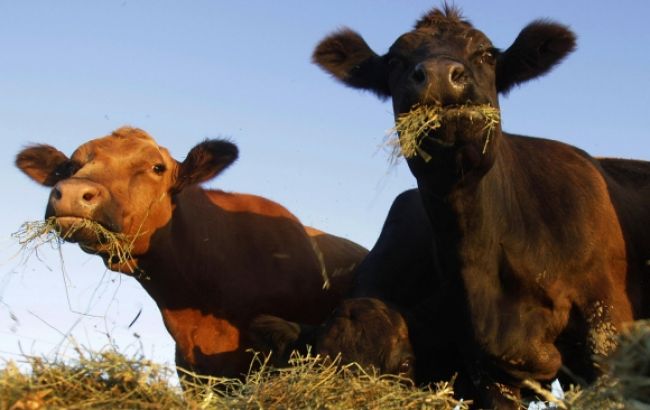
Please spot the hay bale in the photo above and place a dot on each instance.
(405, 139)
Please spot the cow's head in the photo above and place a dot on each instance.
(362, 330)
(371, 333)
(445, 62)
(125, 182)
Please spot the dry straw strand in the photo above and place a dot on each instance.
(31, 235)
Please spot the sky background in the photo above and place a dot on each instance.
(184, 71)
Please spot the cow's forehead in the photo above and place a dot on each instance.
(124, 142)
(441, 28)
(435, 36)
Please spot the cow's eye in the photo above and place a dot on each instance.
(405, 366)
(159, 169)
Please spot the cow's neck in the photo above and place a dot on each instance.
(188, 296)
(492, 215)
(174, 253)
(484, 231)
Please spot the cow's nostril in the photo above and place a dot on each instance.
(56, 194)
(88, 196)
(419, 74)
(457, 74)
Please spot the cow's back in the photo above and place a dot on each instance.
(339, 259)
(274, 263)
(401, 267)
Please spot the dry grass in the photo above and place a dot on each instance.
(110, 380)
(93, 380)
(32, 235)
(411, 128)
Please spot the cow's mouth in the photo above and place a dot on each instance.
(93, 237)
(427, 126)
(84, 231)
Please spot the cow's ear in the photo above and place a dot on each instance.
(43, 163)
(271, 333)
(345, 55)
(538, 48)
(205, 161)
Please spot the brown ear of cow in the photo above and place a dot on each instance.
(538, 48)
(345, 55)
(205, 161)
(42, 163)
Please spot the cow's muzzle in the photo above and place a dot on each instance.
(77, 204)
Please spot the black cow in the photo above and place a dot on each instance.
(398, 283)
(376, 326)
(540, 244)
(365, 331)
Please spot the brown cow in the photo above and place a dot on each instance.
(540, 243)
(211, 260)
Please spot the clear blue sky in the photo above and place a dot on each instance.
(184, 71)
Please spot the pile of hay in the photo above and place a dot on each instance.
(110, 380)
(625, 383)
(92, 380)
(411, 128)
(31, 235)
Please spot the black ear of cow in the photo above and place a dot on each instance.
(205, 161)
(539, 47)
(345, 55)
(42, 163)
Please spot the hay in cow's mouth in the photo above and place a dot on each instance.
(114, 246)
(412, 127)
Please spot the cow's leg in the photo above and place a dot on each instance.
(488, 392)
(184, 370)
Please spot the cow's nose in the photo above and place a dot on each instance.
(440, 80)
(75, 198)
